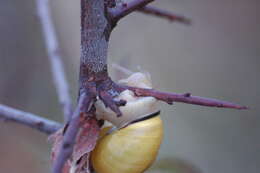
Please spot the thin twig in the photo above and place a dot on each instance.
(34, 121)
(170, 98)
(71, 133)
(126, 8)
(54, 55)
(164, 14)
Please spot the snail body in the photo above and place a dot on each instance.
(134, 146)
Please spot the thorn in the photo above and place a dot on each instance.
(120, 102)
(65, 128)
(187, 94)
(119, 115)
(243, 107)
(109, 102)
(169, 102)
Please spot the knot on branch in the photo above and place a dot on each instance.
(103, 88)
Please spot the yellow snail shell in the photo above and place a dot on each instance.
(129, 150)
(134, 147)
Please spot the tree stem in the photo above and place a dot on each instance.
(95, 33)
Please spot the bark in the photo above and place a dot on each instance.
(95, 32)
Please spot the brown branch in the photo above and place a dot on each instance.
(93, 79)
(31, 120)
(54, 55)
(95, 32)
(184, 98)
(164, 14)
(71, 132)
(126, 8)
(174, 97)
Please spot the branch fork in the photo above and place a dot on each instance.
(105, 91)
(119, 11)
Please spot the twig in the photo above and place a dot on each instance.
(184, 98)
(54, 55)
(34, 121)
(71, 133)
(126, 8)
(164, 14)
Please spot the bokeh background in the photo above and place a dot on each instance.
(217, 56)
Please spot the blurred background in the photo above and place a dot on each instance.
(217, 56)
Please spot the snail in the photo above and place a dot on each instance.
(134, 145)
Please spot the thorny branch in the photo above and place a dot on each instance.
(170, 98)
(34, 121)
(164, 14)
(59, 78)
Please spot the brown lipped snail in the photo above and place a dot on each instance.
(134, 145)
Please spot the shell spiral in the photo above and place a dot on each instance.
(129, 150)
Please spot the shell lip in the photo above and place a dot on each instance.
(145, 117)
(142, 118)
